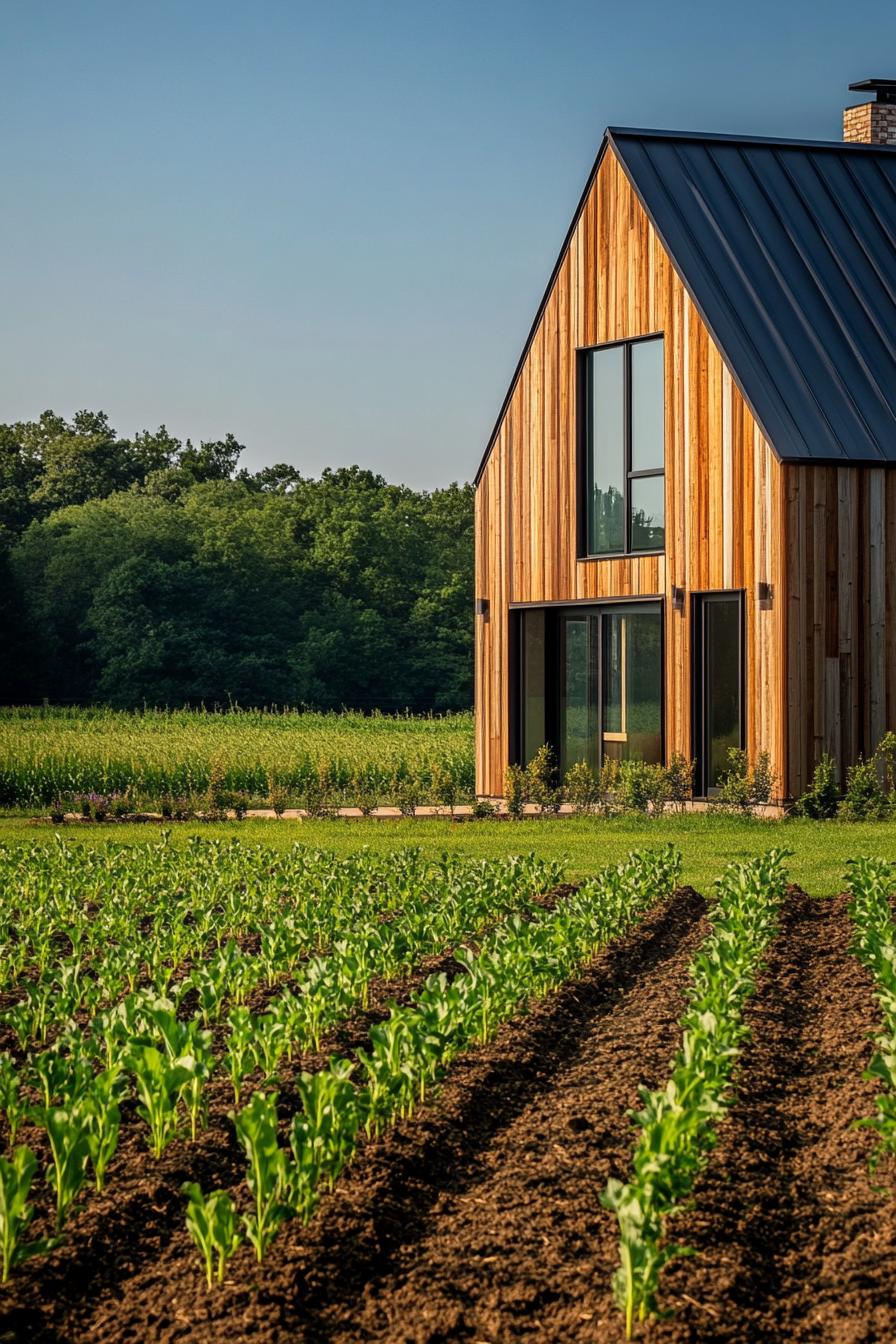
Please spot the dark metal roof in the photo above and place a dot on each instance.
(788, 250)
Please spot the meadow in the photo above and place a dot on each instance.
(820, 850)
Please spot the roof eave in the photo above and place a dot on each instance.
(610, 137)
(541, 307)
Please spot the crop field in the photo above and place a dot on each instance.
(262, 1093)
(177, 755)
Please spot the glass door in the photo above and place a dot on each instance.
(632, 683)
(578, 689)
(718, 685)
(591, 683)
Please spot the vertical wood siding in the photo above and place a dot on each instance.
(841, 594)
(725, 499)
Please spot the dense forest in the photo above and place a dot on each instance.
(151, 571)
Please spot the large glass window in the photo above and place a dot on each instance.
(606, 455)
(632, 684)
(533, 670)
(592, 683)
(718, 690)
(577, 687)
(624, 448)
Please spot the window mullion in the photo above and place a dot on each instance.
(627, 436)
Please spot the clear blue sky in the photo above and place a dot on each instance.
(326, 227)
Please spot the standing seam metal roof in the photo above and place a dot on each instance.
(788, 250)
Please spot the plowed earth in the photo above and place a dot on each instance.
(479, 1219)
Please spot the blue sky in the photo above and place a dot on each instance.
(326, 227)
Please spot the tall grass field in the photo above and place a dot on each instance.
(49, 755)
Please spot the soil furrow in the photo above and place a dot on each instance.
(142, 1208)
(792, 1240)
(475, 1219)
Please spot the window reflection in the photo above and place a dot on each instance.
(624, 448)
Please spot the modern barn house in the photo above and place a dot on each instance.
(686, 514)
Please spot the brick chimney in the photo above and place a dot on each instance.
(872, 123)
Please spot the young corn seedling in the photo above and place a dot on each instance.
(160, 1082)
(62, 1078)
(67, 1131)
(239, 1060)
(256, 1127)
(871, 884)
(12, 1103)
(102, 1113)
(324, 1132)
(268, 1043)
(212, 1223)
(16, 1175)
(677, 1124)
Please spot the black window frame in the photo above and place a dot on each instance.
(698, 603)
(584, 418)
(554, 613)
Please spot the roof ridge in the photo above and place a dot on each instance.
(848, 428)
(723, 137)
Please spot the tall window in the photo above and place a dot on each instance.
(624, 448)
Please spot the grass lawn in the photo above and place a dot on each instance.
(583, 844)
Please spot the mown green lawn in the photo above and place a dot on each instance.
(583, 844)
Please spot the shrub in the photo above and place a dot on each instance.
(641, 786)
(277, 795)
(864, 799)
(99, 807)
(541, 777)
(316, 794)
(762, 780)
(885, 757)
(408, 795)
(367, 797)
(443, 787)
(821, 798)
(680, 780)
(217, 796)
(580, 786)
(483, 810)
(607, 786)
(743, 789)
(515, 790)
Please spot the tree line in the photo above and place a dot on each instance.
(152, 571)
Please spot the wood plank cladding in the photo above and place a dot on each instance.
(725, 490)
(841, 613)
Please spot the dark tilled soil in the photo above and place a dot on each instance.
(113, 1234)
(480, 1220)
(793, 1241)
(512, 1155)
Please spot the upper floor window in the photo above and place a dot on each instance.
(624, 501)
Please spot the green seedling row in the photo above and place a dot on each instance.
(518, 961)
(146, 1046)
(678, 1125)
(871, 885)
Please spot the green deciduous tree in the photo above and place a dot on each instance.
(148, 570)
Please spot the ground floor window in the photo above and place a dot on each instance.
(718, 673)
(591, 682)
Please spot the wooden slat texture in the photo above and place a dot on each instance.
(728, 516)
(841, 600)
